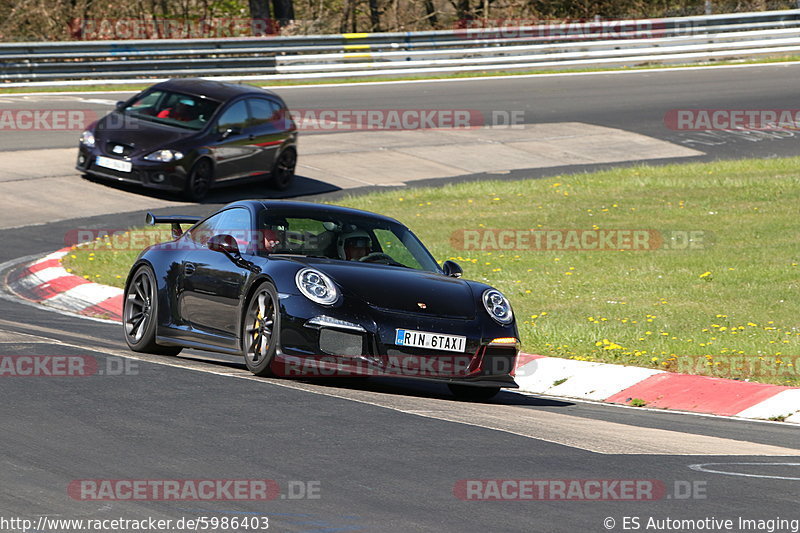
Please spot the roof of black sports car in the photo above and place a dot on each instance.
(288, 205)
(215, 90)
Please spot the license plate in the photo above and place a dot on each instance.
(434, 341)
(114, 164)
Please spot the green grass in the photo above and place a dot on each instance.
(136, 87)
(108, 259)
(656, 309)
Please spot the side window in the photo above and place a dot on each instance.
(147, 104)
(263, 112)
(236, 223)
(205, 230)
(148, 99)
(233, 117)
(391, 245)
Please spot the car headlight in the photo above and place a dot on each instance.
(87, 139)
(497, 306)
(164, 156)
(316, 286)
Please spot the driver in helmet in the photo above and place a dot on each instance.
(354, 245)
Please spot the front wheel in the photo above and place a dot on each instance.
(283, 170)
(140, 314)
(472, 393)
(199, 180)
(260, 330)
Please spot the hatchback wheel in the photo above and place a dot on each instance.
(199, 181)
(283, 170)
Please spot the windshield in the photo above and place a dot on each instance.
(175, 109)
(346, 238)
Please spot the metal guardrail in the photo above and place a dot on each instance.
(550, 46)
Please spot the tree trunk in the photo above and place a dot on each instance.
(463, 12)
(260, 22)
(374, 15)
(284, 11)
(347, 13)
(430, 13)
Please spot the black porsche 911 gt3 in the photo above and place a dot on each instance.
(311, 290)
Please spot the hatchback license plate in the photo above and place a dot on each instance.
(434, 341)
(113, 164)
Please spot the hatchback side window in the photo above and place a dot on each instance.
(263, 113)
(146, 104)
(235, 117)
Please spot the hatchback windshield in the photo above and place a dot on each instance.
(348, 238)
(176, 109)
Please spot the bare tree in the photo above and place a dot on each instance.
(430, 13)
(374, 15)
(283, 10)
(463, 11)
(348, 23)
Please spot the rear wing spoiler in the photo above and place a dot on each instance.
(176, 220)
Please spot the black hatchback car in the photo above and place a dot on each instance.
(189, 135)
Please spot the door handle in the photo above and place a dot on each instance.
(189, 268)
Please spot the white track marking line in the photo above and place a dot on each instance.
(702, 468)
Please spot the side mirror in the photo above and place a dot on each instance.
(452, 269)
(120, 105)
(231, 131)
(225, 244)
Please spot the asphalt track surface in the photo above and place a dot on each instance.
(385, 455)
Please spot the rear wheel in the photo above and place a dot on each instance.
(283, 170)
(260, 330)
(472, 393)
(140, 314)
(199, 180)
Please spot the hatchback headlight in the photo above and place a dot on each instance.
(316, 286)
(164, 156)
(87, 139)
(497, 306)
